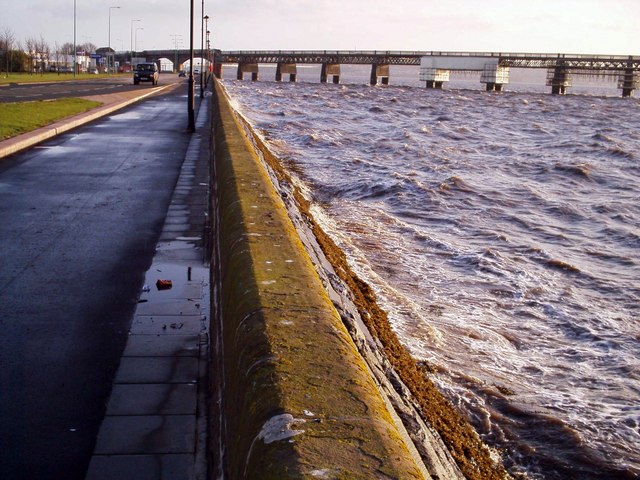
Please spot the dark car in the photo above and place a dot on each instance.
(145, 72)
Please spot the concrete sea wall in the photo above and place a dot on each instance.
(300, 387)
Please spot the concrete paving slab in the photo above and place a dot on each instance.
(142, 467)
(147, 434)
(166, 325)
(184, 254)
(178, 218)
(173, 305)
(153, 399)
(158, 370)
(156, 408)
(173, 228)
(162, 346)
(181, 288)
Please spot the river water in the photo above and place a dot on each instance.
(501, 231)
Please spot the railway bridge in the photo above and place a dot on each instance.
(435, 66)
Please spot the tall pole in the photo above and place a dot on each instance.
(202, 52)
(175, 49)
(190, 107)
(131, 51)
(206, 26)
(75, 50)
(136, 44)
(109, 51)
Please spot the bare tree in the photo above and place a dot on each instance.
(31, 45)
(89, 47)
(7, 38)
(56, 56)
(68, 52)
(44, 51)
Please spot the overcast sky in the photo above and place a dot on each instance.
(545, 26)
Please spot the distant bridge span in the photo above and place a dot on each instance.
(560, 67)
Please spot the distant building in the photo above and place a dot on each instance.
(60, 62)
(107, 58)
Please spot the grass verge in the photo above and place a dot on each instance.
(53, 77)
(23, 117)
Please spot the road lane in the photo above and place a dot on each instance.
(75, 88)
(79, 220)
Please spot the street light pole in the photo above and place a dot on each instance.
(75, 50)
(191, 106)
(109, 51)
(202, 51)
(131, 39)
(175, 38)
(206, 28)
(136, 44)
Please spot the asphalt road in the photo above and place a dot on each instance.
(81, 88)
(79, 220)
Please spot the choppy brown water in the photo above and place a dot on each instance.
(502, 234)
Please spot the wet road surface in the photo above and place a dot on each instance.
(76, 88)
(79, 220)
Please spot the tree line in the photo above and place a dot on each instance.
(34, 54)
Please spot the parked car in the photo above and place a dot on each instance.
(146, 72)
(182, 73)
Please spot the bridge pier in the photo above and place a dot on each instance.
(286, 69)
(628, 82)
(332, 69)
(248, 67)
(434, 77)
(493, 87)
(559, 79)
(494, 77)
(379, 70)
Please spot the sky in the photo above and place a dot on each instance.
(534, 26)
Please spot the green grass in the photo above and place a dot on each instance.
(52, 77)
(19, 118)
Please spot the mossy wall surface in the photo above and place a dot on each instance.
(297, 399)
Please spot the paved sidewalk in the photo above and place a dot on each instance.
(155, 426)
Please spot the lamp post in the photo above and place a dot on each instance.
(131, 39)
(209, 70)
(75, 53)
(176, 38)
(109, 51)
(190, 105)
(202, 74)
(201, 50)
(136, 44)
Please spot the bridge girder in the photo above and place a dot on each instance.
(576, 63)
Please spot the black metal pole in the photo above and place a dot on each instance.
(75, 50)
(202, 52)
(190, 108)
